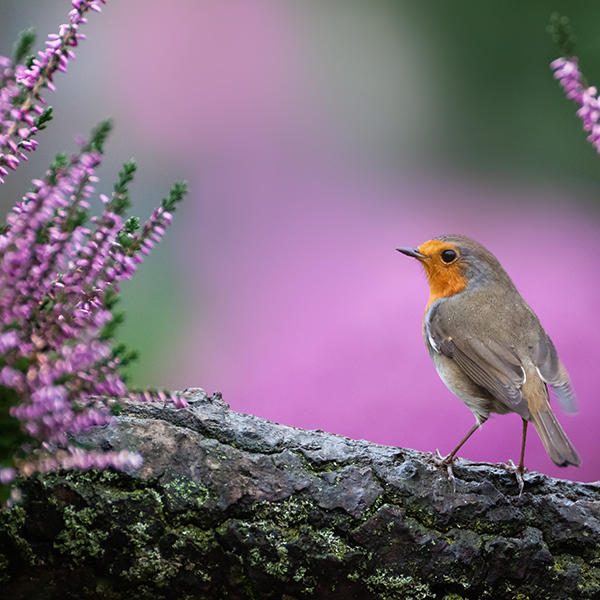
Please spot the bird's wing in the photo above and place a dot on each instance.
(552, 371)
(488, 363)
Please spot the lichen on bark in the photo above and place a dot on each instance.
(230, 506)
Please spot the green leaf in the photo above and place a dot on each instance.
(22, 47)
(176, 194)
(98, 137)
(11, 435)
(109, 329)
(77, 218)
(60, 163)
(116, 409)
(41, 120)
(110, 298)
(132, 224)
(23, 363)
(560, 30)
(124, 354)
(120, 201)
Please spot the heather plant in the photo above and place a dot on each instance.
(566, 70)
(60, 271)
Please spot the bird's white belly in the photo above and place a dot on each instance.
(460, 386)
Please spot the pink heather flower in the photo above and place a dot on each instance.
(8, 340)
(178, 401)
(147, 396)
(567, 72)
(76, 458)
(57, 275)
(17, 120)
(12, 378)
(52, 311)
(7, 475)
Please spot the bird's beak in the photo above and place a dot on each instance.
(412, 252)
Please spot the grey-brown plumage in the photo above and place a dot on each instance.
(488, 345)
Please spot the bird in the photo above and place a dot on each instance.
(489, 347)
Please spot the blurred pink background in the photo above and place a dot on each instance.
(316, 138)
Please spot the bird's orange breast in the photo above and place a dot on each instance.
(444, 280)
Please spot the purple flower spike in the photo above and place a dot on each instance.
(59, 274)
(55, 277)
(7, 475)
(17, 116)
(566, 70)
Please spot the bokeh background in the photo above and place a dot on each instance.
(317, 136)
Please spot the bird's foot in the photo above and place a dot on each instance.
(518, 470)
(446, 461)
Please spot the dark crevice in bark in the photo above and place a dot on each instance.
(231, 506)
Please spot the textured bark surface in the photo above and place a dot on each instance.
(231, 506)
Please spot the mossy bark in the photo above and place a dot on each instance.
(230, 506)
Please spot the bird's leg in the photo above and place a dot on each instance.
(449, 460)
(521, 468)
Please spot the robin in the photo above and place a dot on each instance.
(489, 347)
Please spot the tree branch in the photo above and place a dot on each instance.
(231, 506)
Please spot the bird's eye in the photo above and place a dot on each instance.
(448, 256)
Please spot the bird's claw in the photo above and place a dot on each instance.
(520, 481)
(448, 462)
(519, 471)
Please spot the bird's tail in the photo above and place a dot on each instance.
(555, 440)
